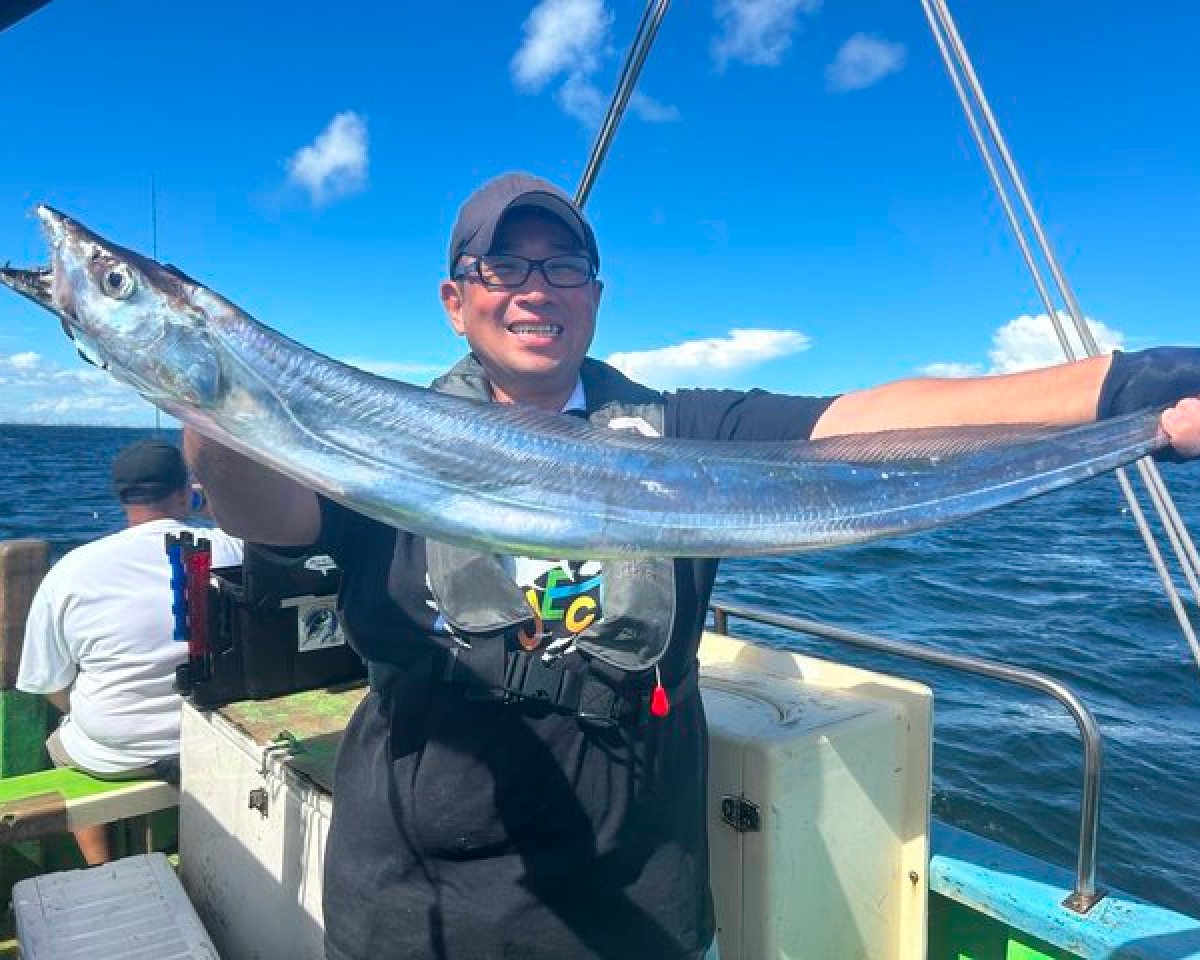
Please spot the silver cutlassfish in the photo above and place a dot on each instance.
(514, 480)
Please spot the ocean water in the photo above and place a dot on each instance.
(1061, 585)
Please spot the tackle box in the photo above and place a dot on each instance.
(273, 629)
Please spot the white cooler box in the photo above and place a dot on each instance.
(819, 779)
(132, 908)
(254, 815)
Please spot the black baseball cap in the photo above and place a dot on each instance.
(148, 471)
(478, 218)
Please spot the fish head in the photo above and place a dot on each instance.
(127, 314)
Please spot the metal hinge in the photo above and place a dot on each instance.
(740, 814)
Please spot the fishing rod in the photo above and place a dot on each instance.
(14, 10)
(639, 50)
(993, 147)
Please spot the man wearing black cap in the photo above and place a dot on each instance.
(527, 776)
(98, 640)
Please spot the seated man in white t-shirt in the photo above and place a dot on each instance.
(98, 640)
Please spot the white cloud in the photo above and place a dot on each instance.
(561, 36)
(1029, 342)
(651, 110)
(708, 361)
(24, 367)
(24, 361)
(72, 406)
(952, 370)
(581, 100)
(862, 62)
(335, 164)
(571, 39)
(757, 32)
(36, 390)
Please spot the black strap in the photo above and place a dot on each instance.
(485, 671)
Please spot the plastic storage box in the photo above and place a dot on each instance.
(133, 908)
(819, 780)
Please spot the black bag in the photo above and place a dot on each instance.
(273, 629)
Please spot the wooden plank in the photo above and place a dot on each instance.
(23, 563)
(30, 817)
(53, 801)
(136, 798)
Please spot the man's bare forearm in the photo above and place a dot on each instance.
(1065, 394)
(249, 500)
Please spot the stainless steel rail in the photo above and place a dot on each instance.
(1007, 180)
(1084, 896)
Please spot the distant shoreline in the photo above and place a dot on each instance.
(86, 426)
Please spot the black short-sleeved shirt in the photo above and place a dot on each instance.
(474, 829)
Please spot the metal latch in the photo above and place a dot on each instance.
(741, 814)
(258, 800)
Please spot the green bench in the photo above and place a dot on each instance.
(34, 805)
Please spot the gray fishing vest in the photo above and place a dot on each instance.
(478, 597)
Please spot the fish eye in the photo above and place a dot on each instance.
(118, 282)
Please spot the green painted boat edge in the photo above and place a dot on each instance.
(24, 723)
(66, 783)
(1026, 894)
(957, 932)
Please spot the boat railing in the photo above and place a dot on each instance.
(1084, 896)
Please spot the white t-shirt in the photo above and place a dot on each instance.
(102, 619)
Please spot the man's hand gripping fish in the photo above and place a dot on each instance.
(513, 480)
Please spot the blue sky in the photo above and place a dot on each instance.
(794, 202)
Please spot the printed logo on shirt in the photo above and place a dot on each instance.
(565, 598)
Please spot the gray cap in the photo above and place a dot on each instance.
(478, 218)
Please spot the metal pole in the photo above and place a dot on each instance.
(639, 50)
(963, 75)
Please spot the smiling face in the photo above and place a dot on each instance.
(531, 341)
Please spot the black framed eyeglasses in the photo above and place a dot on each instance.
(507, 271)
